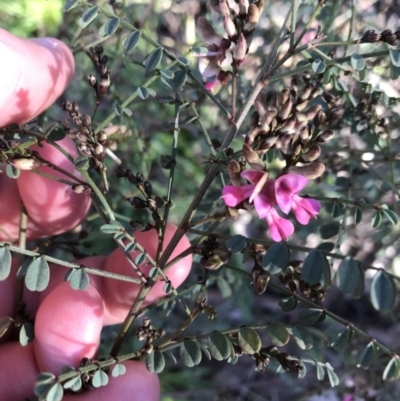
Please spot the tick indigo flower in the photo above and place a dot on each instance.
(266, 193)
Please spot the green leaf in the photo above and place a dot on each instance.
(326, 246)
(100, 379)
(74, 384)
(205, 350)
(79, 279)
(357, 62)
(153, 59)
(278, 334)
(316, 268)
(190, 353)
(359, 290)
(392, 370)
(155, 362)
(236, 243)
(151, 92)
(142, 92)
(26, 334)
(118, 370)
(320, 370)
(167, 74)
(5, 323)
(183, 61)
(311, 316)
(88, 17)
(343, 338)
(288, 304)
(348, 275)
(394, 57)
(5, 262)
(167, 287)
(200, 50)
(179, 79)
(140, 259)
(318, 66)
(383, 291)
(362, 74)
(357, 215)
(249, 340)
(333, 378)
(368, 356)
(70, 4)
(303, 370)
(390, 214)
(111, 26)
(276, 258)
(110, 228)
(130, 246)
(55, 393)
(303, 337)
(218, 345)
(329, 230)
(131, 41)
(376, 220)
(38, 275)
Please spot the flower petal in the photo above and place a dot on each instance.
(279, 228)
(253, 175)
(285, 187)
(304, 209)
(263, 205)
(232, 196)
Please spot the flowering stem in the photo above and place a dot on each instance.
(295, 7)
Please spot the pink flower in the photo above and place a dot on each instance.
(265, 194)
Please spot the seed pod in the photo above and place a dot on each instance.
(252, 158)
(325, 136)
(311, 171)
(261, 281)
(213, 263)
(312, 154)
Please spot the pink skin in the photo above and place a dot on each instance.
(68, 322)
(119, 295)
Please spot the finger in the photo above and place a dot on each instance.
(50, 204)
(120, 295)
(18, 373)
(67, 327)
(137, 384)
(34, 73)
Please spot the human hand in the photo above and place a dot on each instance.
(67, 322)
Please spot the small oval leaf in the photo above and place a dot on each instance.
(218, 345)
(111, 26)
(357, 62)
(368, 356)
(26, 334)
(155, 362)
(99, 379)
(311, 316)
(392, 370)
(278, 334)
(38, 275)
(315, 268)
(5, 323)
(5, 262)
(318, 66)
(118, 370)
(190, 353)
(79, 279)
(74, 384)
(249, 340)
(303, 337)
(348, 275)
(276, 258)
(131, 41)
(288, 304)
(153, 59)
(88, 16)
(383, 291)
(236, 243)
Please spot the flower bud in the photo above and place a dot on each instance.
(285, 109)
(206, 31)
(388, 37)
(92, 80)
(370, 36)
(285, 94)
(234, 173)
(215, 6)
(306, 92)
(137, 202)
(25, 163)
(224, 7)
(239, 53)
(213, 263)
(336, 114)
(86, 120)
(312, 111)
(82, 189)
(243, 7)
(231, 213)
(325, 136)
(252, 158)
(255, 119)
(253, 16)
(312, 154)
(229, 26)
(310, 171)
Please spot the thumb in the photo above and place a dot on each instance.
(34, 73)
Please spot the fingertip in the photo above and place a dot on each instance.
(35, 74)
(67, 327)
